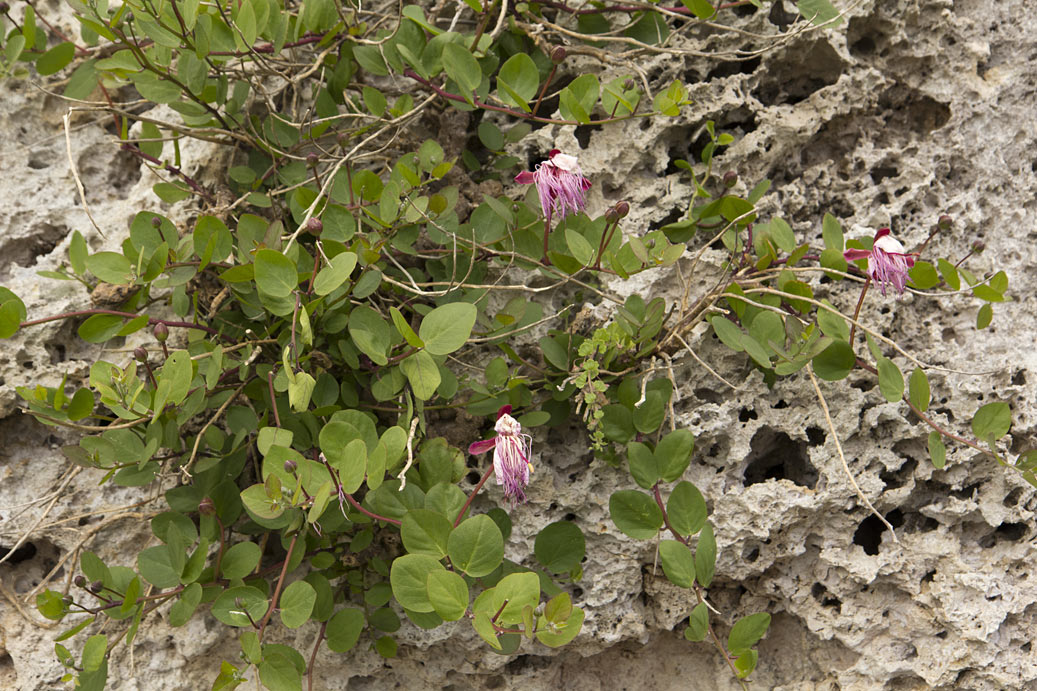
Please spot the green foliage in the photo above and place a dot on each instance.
(353, 299)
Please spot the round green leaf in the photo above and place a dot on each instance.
(678, 564)
(296, 604)
(55, 59)
(110, 267)
(673, 453)
(918, 390)
(448, 594)
(370, 333)
(425, 532)
(992, 419)
(698, 623)
(635, 513)
(335, 274)
(686, 509)
(409, 579)
(343, 629)
(275, 273)
(518, 80)
(422, 373)
(560, 547)
(891, 381)
(747, 631)
(231, 605)
(476, 546)
(834, 362)
(156, 565)
(446, 328)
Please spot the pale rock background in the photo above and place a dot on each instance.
(911, 109)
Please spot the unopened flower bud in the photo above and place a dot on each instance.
(290, 466)
(312, 158)
(629, 84)
(80, 581)
(206, 507)
(96, 587)
(978, 246)
(611, 216)
(622, 209)
(730, 179)
(4, 7)
(67, 600)
(156, 221)
(315, 226)
(161, 332)
(140, 355)
(342, 139)
(558, 55)
(944, 222)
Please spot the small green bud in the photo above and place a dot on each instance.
(611, 216)
(978, 246)
(161, 332)
(290, 466)
(944, 222)
(156, 221)
(730, 179)
(140, 355)
(629, 84)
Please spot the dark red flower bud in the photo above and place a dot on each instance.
(161, 332)
(944, 222)
(80, 581)
(96, 587)
(290, 466)
(156, 221)
(629, 84)
(140, 355)
(206, 507)
(730, 179)
(315, 226)
(4, 7)
(978, 246)
(312, 158)
(558, 55)
(622, 209)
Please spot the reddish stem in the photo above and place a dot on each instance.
(468, 503)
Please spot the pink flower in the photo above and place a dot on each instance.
(560, 184)
(887, 261)
(511, 451)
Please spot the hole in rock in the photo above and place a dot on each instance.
(39, 241)
(671, 217)
(1025, 647)
(869, 533)
(907, 110)
(751, 554)
(880, 173)
(1012, 498)
(782, 403)
(790, 81)
(730, 68)
(898, 478)
(774, 455)
(1006, 532)
(583, 134)
(24, 552)
(746, 414)
(708, 395)
(779, 17)
(473, 478)
(1019, 379)
(815, 436)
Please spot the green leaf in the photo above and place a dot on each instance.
(686, 509)
(518, 80)
(781, 233)
(644, 467)
(181, 611)
(425, 532)
(409, 579)
(448, 594)
(343, 629)
(275, 273)
(705, 556)
(55, 59)
(556, 636)
(98, 328)
(747, 632)
(446, 328)
(577, 100)
(560, 547)
(949, 274)
(174, 380)
(296, 604)
(729, 334)
(371, 333)
(476, 546)
(918, 390)
(923, 275)
(463, 68)
(578, 245)
(674, 453)
(702, 9)
(891, 381)
(984, 316)
(404, 329)
(678, 564)
(278, 673)
(422, 373)
(110, 267)
(240, 560)
(698, 623)
(635, 514)
(835, 362)
(50, 604)
(94, 651)
(819, 12)
(992, 419)
(832, 324)
(746, 663)
(832, 233)
(156, 565)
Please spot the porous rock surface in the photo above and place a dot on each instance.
(909, 110)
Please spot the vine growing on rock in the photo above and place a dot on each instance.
(311, 366)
